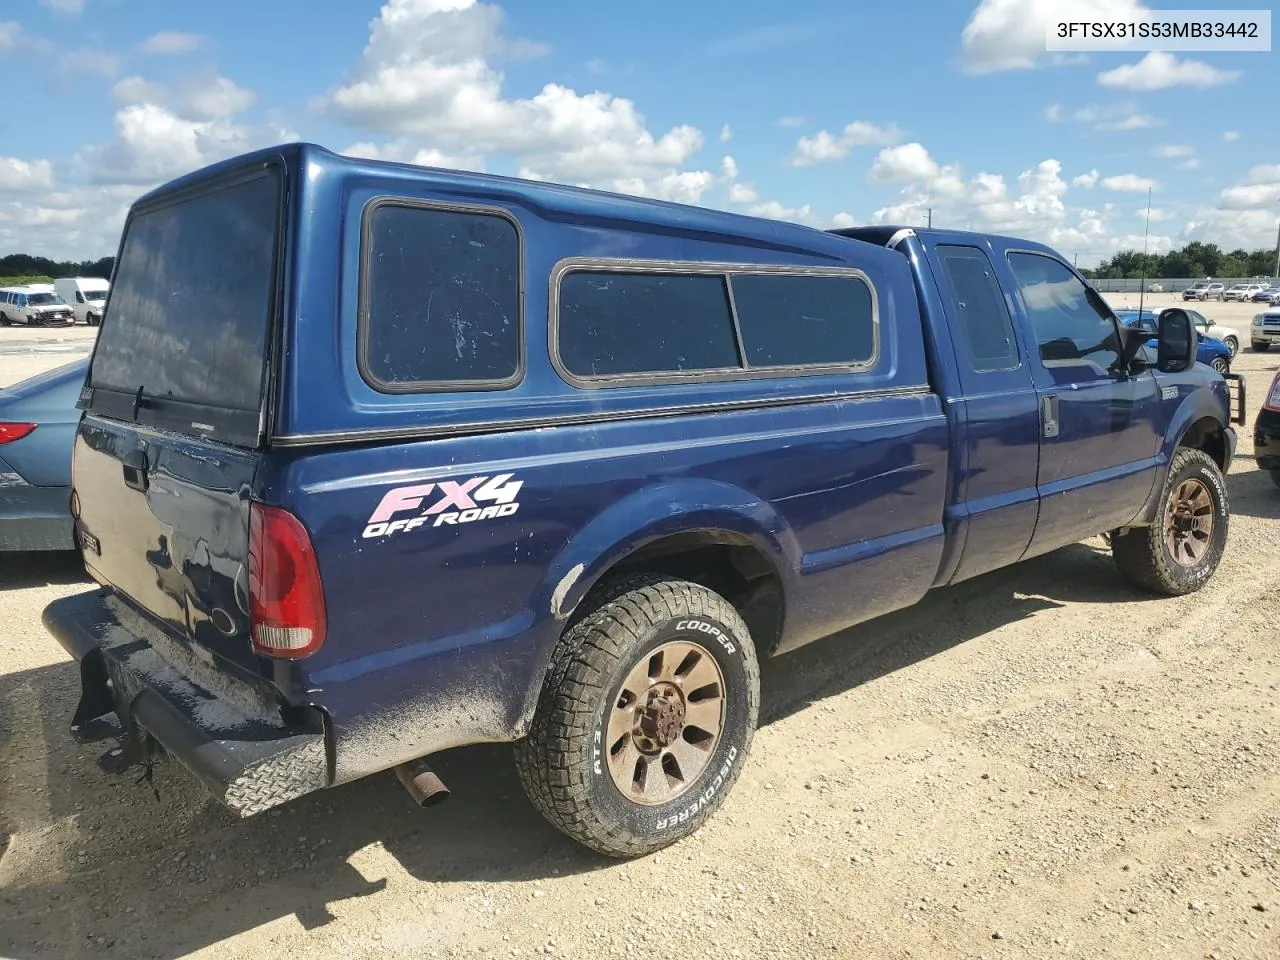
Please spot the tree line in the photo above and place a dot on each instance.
(1196, 259)
(20, 268)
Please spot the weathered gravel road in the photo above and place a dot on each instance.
(1039, 763)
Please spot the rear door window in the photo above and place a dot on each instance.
(985, 324)
(190, 314)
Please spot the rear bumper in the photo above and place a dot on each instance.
(1266, 440)
(34, 518)
(247, 752)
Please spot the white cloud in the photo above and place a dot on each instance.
(825, 146)
(1233, 228)
(90, 61)
(1170, 151)
(214, 98)
(138, 90)
(403, 152)
(18, 174)
(1054, 113)
(1159, 70)
(1260, 187)
(170, 43)
(726, 133)
(1134, 241)
(64, 6)
(742, 193)
(1158, 215)
(842, 220)
(1129, 183)
(1115, 116)
(910, 161)
(72, 224)
(597, 66)
(1086, 180)
(792, 121)
(776, 211)
(1010, 34)
(426, 73)
(1231, 136)
(10, 33)
(1191, 163)
(729, 167)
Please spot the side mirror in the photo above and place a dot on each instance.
(1178, 341)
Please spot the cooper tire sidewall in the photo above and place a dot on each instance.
(1214, 483)
(662, 820)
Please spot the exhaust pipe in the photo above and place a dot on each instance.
(421, 781)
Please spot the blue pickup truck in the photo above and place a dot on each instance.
(378, 460)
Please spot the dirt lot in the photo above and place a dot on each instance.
(1038, 763)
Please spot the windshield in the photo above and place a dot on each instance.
(43, 299)
(191, 305)
(95, 296)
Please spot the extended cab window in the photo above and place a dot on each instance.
(800, 320)
(440, 305)
(617, 324)
(984, 318)
(190, 312)
(1069, 330)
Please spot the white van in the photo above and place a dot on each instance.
(87, 296)
(36, 305)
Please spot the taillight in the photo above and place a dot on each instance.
(1273, 397)
(286, 602)
(15, 431)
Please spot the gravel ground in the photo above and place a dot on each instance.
(1038, 763)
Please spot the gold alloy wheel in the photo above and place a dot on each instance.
(1188, 522)
(665, 724)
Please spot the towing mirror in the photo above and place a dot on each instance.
(1178, 341)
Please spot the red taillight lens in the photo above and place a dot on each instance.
(15, 431)
(1273, 395)
(286, 602)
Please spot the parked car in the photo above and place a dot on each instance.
(1203, 290)
(1275, 299)
(37, 427)
(1265, 294)
(1242, 292)
(1266, 432)
(1265, 330)
(1204, 326)
(447, 457)
(36, 307)
(1210, 351)
(86, 295)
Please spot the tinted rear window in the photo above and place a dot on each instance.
(979, 299)
(801, 320)
(618, 324)
(441, 299)
(192, 301)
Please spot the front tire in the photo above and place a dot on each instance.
(1221, 364)
(646, 717)
(1178, 553)
(1233, 346)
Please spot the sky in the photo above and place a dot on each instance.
(827, 113)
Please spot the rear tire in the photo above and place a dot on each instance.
(4, 320)
(620, 756)
(1178, 553)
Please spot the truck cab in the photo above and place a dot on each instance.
(378, 460)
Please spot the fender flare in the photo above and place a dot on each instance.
(650, 514)
(1199, 405)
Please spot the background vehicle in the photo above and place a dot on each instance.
(1194, 291)
(1204, 326)
(38, 420)
(1214, 291)
(368, 507)
(33, 306)
(1242, 292)
(1265, 330)
(86, 295)
(1210, 351)
(1265, 294)
(1266, 432)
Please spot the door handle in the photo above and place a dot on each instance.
(134, 466)
(1049, 415)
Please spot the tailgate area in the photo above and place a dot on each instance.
(145, 688)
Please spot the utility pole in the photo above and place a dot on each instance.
(931, 216)
(1142, 289)
(1277, 273)
(1075, 259)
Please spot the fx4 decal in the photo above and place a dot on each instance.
(454, 502)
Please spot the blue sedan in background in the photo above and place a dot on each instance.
(38, 419)
(1211, 351)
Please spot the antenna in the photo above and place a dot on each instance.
(1142, 288)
